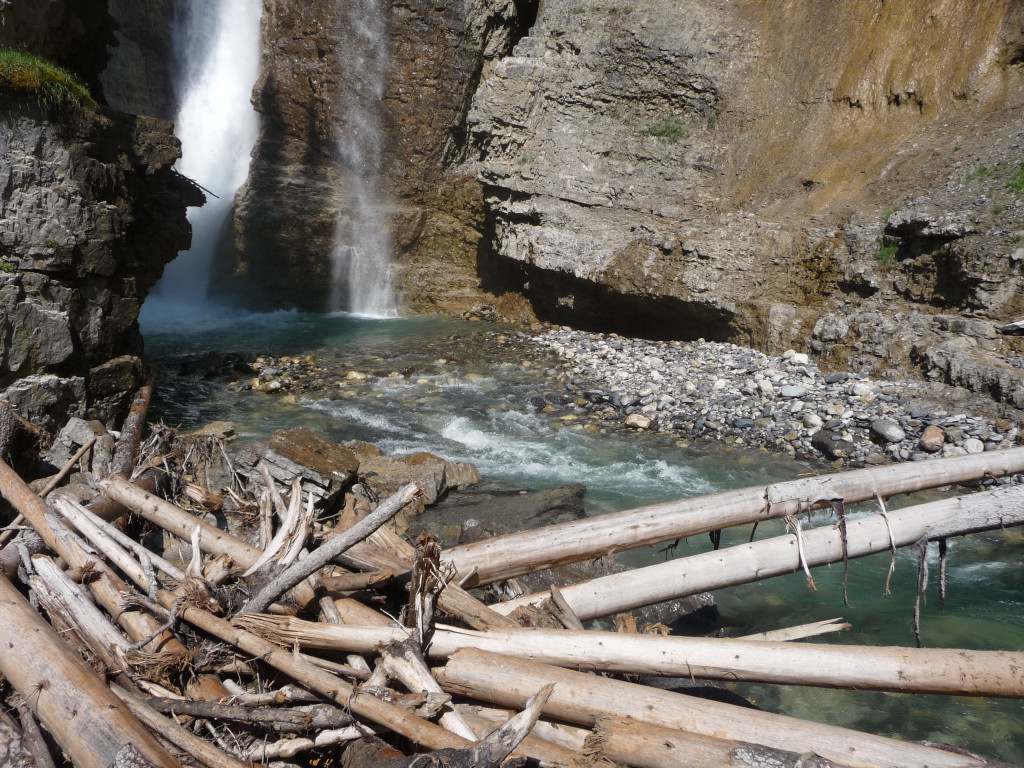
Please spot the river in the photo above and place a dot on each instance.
(466, 394)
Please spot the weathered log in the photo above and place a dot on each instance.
(106, 587)
(631, 742)
(329, 551)
(402, 662)
(71, 701)
(919, 670)
(353, 582)
(673, 579)
(282, 719)
(34, 737)
(126, 450)
(174, 733)
(801, 631)
(179, 522)
(516, 554)
(583, 698)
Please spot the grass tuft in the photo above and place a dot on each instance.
(669, 129)
(48, 84)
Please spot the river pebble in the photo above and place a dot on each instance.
(738, 396)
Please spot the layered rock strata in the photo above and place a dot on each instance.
(90, 211)
(288, 210)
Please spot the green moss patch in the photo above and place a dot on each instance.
(48, 84)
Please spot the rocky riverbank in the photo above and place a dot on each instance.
(740, 397)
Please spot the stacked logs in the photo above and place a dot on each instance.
(312, 646)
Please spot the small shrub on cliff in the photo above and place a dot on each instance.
(48, 84)
(669, 129)
(886, 254)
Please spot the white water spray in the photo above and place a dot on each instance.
(219, 44)
(361, 258)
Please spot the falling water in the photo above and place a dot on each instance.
(362, 239)
(218, 41)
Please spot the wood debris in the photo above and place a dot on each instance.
(281, 615)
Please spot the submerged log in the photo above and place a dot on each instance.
(584, 698)
(918, 670)
(780, 555)
(516, 554)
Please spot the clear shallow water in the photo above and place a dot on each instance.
(476, 406)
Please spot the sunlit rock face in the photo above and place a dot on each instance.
(90, 213)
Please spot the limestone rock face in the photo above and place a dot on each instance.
(90, 211)
(288, 210)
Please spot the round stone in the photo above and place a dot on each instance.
(932, 439)
(637, 421)
(888, 430)
(973, 445)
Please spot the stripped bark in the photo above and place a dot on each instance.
(705, 572)
(71, 701)
(583, 698)
(516, 554)
(918, 670)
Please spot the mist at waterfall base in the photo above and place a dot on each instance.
(477, 407)
(218, 62)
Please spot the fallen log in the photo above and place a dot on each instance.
(177, 735)
(71, 701)
(126, 450)
(708, 571)
(917, 670)
(584, 698)
(515, 554)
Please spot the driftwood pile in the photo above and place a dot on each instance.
(312, 646)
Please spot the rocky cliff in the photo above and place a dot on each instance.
(90, 212)
(826, 176)
(288, 211)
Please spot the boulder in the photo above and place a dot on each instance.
(325, 467)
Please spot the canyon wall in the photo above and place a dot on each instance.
(287, 212)
(843, 178)
(90, 212)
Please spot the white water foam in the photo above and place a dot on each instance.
(217, 125)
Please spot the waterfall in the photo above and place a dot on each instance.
(218, 44)
(361, 258)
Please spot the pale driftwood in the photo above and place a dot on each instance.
(315, 679)
(549, 742)
(95, 528)
(63, 598)
(330, 550)
(179, 522)
(106, 587)
(15, 749)
(583, 698)
(71, 701)
(294, 530)
(800, 632)
(516, 554)
(630, 742)
(126, 450)
(705, 572)
(353, 582)
(202, 750)
(386, 550)
(402, 662)
(353, 612)
(285, 748)
(919, 670)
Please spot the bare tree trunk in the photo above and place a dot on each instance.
(780, 555)
(74, 705)
(516, 554)
(917, 670)
(583, 698)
